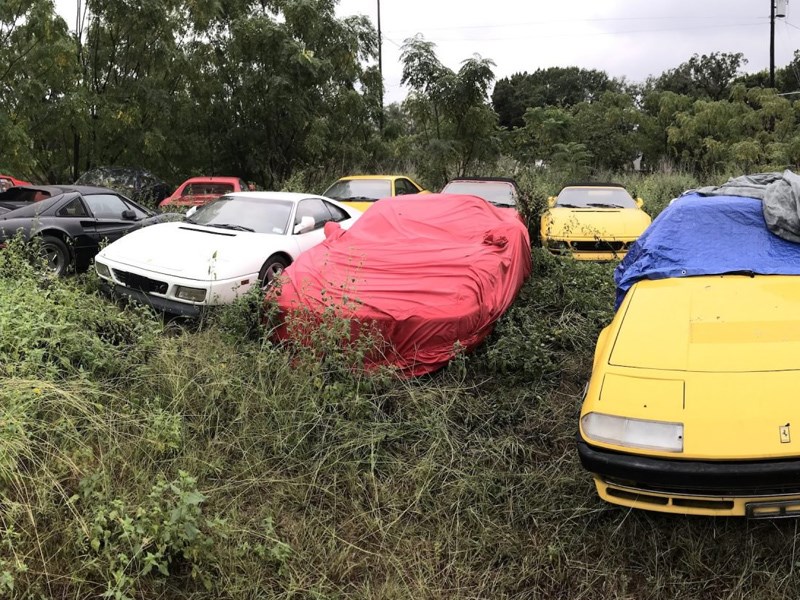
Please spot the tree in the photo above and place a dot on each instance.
(452, 122)
(37, 73)
(708, 76)
(555, 86)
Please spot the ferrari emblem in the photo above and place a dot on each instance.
(785, 437)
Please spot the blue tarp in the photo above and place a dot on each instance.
(697, 235)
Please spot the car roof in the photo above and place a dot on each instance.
(593, 184)
(212, 179)
(485, 179)
(55, 190)
(286, 196)
(352, 177)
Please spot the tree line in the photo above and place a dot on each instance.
(271, 90)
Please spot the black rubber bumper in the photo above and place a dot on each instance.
(690, 476)
(163, 304)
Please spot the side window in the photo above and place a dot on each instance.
(73, 209)
(106, 206)
(404, 186)
(313, 207)
(337, 213)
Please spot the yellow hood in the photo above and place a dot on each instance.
(720, 354)
(722, 324)
(594, 223)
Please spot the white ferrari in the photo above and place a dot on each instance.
(219, 251)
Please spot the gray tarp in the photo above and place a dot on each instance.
(779, 194)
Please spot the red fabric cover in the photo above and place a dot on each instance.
(429, 271)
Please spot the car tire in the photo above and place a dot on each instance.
(273, 267)
(55, 254)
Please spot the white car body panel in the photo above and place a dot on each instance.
(224, 262)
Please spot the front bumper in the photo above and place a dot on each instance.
(160, 290)
(162, 304)
(588, 249)
(758, 488)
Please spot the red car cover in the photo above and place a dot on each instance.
(431, 272)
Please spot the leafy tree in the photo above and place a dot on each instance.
(708, 76)
(554, 86)
(452, 123)
(37, 70)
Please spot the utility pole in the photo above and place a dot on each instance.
(777, 8)
(380, 64)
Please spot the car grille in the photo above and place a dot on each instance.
(139, 282)
(599, 246)
(742, 489)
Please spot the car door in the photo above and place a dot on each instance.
(311, 207)
(108, 213)
(75, 218)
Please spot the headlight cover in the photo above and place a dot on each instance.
(633, 433)
(102, 270)
(191, 294)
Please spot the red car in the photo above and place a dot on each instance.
(7, 181)
(202, 190)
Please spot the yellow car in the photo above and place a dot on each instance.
(360, 191)
(692, 406)
(592, 222)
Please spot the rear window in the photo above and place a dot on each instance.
(208, 189)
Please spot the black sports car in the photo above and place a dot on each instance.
(72, 222)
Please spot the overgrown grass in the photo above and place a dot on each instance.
(140, 460)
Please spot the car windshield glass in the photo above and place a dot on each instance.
(600, 197)
(238, 212)
(496, 192)
(360, 189)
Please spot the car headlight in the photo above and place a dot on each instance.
(190, 293)
(633, 433)
(102, 270)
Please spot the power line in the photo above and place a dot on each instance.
(573, 21)
(596, 33)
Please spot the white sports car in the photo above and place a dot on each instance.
(219, 251)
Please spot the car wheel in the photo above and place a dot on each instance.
(55, 254)
(272, 268)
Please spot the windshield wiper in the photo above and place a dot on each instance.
(358, 198)
(229, 226)
(569, 206)
(603, 205)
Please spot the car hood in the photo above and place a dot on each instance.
(721, 323)
(193, 251)
(592, 223)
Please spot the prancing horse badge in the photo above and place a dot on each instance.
(785, 437)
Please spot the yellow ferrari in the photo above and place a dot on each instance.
(360, 191)
(692, 406)
(592, 222)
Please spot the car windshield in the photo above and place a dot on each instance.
(245, 214)
(496, 192)
(360, 189)
(599, 197)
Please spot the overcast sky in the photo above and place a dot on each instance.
(625, 38)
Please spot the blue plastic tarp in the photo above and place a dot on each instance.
(697, 235)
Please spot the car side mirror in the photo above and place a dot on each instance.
(551, 201)
(128, 215)
(305, 225)
(639, 203)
